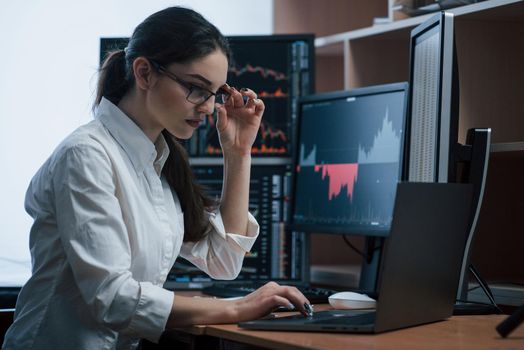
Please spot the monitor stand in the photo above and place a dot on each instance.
(474, 157)
(370, 265)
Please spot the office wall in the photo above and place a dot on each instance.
(49, 52)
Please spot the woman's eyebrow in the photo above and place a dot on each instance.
(201, 78)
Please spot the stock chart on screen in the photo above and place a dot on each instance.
(276, 254)
(279, 70)
(348, 161)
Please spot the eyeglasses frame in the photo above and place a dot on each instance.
(189, 86)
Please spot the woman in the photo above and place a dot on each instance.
(116, 203)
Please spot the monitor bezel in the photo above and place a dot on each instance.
(336, 95)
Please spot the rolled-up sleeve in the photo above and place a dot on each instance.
(153, 308)
(97, 246)
(221, 254)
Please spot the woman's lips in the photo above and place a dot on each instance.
(194, 123)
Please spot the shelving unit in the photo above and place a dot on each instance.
(507, 147)
(354, 53)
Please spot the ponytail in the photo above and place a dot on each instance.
(114, 78)
(191, 195)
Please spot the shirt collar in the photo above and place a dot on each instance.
(162, 149)
(138, 147)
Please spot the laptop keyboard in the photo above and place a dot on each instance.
(229, 290)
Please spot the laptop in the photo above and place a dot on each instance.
(419, 272)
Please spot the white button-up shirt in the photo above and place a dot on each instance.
(107, 229)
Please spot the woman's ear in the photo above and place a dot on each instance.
(143, 72)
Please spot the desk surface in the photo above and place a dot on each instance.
(458, 332)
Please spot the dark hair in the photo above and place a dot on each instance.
(179, 35)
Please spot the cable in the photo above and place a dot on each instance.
(485, 287)
(510, 323)
(358, 251)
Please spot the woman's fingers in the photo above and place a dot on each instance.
(221, 117)
(244, 97)
(259, 107)
(289, 293)
(296, 298)
(255, 106)
(248, 93)
(235, 99)
(269, 297)
(276, 301)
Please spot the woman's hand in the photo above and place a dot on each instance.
(189, 311)
(238, 122)
(266, 299)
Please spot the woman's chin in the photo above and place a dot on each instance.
(182, 135)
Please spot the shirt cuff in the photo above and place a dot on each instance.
(152, 312)
(242, 242)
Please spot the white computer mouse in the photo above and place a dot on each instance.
(351, 300)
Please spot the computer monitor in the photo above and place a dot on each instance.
(278, 254)
(433, 102)
(433, 153)
(348, 163)
(280, 69)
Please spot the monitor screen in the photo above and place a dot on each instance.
(277, 254)
(433, 108)
(279, 68)
(348, 162)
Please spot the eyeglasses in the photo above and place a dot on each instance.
(197, 94)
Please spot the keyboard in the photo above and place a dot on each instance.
(230, 290)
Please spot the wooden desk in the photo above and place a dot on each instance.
(458, 332)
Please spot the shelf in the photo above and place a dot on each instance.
(374, 30)
(507, 147)
(492, 10)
